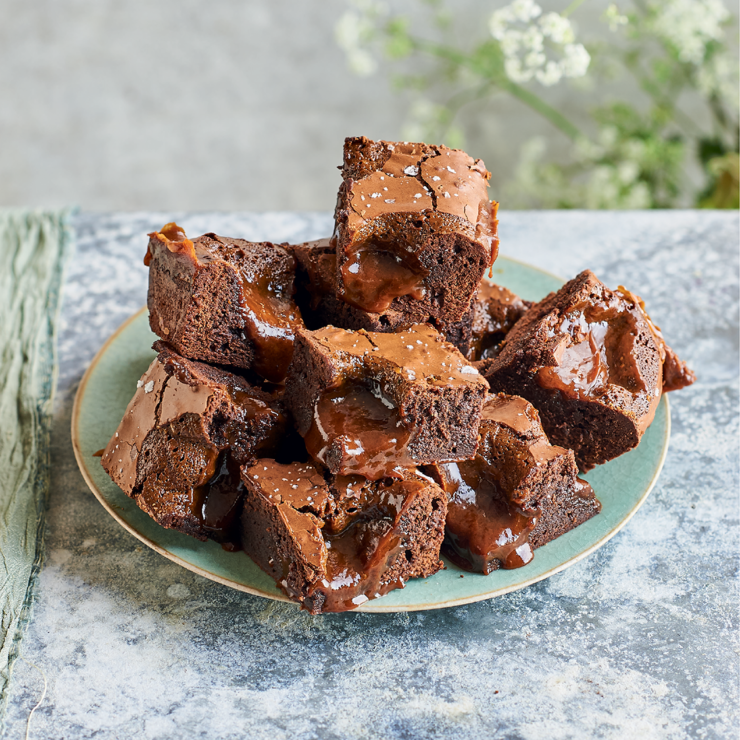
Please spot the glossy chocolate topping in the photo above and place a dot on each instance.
(217, 503)
(482, 525)
(596, 348)
(419, 353)
(159, 398)
(363, 429)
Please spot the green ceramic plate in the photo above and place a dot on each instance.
(621, 485)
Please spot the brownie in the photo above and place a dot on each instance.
(222, 300)
(517, 494)
(415, 230)
(494, 312)
(369, 403)
(184, 435)
(334, 543)
(320, 304)
(318, 298)
(590, 361)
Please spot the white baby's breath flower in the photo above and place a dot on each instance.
(499, 22)
(614, 18)
(534, 60)
(718, 76)
(361, 62)
(516, 71)
(575, 60)
(510, 43)
(690, 25)
(532, 39)
(627, 172)
(522, 40)
(348, 30)
(557, 28)
(550, 75)
(525, 10)
(608, 136)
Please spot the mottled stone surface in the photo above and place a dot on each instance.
(638, 640)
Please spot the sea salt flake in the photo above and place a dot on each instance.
(449, 169)
(418, 195)
(411, 170)
(149, 387)
(436, 178)
(469, 370)
(390, 200)
(375, 195)
(447, 195)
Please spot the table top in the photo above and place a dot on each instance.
(638, 640)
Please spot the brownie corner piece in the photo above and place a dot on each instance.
(591, 362)
(369, 403)
(333, 543)
(185, 432)
(517, 494)
(415, 229)
(223, 300)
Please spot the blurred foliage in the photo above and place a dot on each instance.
(675, 53)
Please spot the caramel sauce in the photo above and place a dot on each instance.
(217, 502)
(363, 541)
(374, 277)
(175, 239)
(364, 426)
(483, 528)
(596, 350)
(270, 319)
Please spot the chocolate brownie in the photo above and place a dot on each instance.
(184, 435)
(415, 230)
(317, 293)
(517, 494)
(222, 300)
(332, 544)
(591, 363)
(494, 312)
(320, 304)
(369, 403)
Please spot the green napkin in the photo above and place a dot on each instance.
(34, 246)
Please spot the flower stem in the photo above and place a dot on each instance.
(537, 104)
(572, 8)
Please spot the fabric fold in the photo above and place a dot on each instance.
(34, 247)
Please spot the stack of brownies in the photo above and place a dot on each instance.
(345, 410)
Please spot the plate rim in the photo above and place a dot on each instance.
(376, 605)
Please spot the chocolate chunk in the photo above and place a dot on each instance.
(333, 544)
(372, 404)
(222, 300)
(591, 362)
(178, 448)
(517, 494)
(415, 230)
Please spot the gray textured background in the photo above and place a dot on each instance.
(639, 640)
(224, 105)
